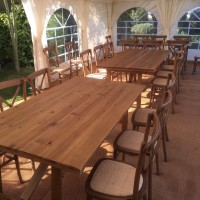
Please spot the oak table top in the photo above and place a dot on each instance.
(140, 61)
(63, 126)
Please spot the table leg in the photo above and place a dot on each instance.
(108, 75)
(139, 78)
(56, 184)
(125, 121)
(139, 101)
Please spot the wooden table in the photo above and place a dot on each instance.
(65, 125)
(140, 61)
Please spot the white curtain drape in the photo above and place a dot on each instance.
(36, 14)
(84, 16)
(109, 16)
(168, 10)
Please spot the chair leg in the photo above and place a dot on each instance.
(18, 169)
(194, 67)
(164, 145)
(115, 154)
(1, 184)
(88, 197)
(33, 164)
(166, 133)
(157, 164)
(150, 182)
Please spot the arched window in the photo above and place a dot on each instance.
(61, 28)
(135, 21)
(189, 24)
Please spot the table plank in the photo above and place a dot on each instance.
(65, 125)
(135, 60)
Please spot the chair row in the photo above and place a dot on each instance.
(118, 179)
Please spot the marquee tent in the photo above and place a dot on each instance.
(97, 18)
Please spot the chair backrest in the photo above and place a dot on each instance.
(108, 38)
(108, 49)
(98, 53)
(163, 109)
(159, 37)
(86, 59)
(36, 80)
(182, 37)
(128, 44)
(152, 44)
(14, 87)
(71, 50)
(148, 147)
(52, 56)
(174, 46)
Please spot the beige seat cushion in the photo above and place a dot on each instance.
(168, 67)
(97, 76)
(131, 140)
(161, 82)
(141, 114)
(164, 73)
(114, 178)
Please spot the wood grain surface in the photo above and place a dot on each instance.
(63, 126)
(135, 60)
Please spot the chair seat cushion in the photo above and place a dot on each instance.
(114, 178)
(163, 74)
(168, 67)
(140, 114)
(131, 140)
(97, 76)
(196, 57)
(161, 82)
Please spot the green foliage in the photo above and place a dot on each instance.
(25, 48)
(141, 28)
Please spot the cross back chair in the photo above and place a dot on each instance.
(114, 179)
(128, 44)
(36, 80)
(55, 65)
(176, 69)
(87, 64)
(108, 38)
(182, 37)
(72, 56)
(196, 63)
(174, 46)
(152, 44)
(18, 84)
(99, 57)
(14, 85)
(162, 109)
(128, 142)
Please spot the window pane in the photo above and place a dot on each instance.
(64, 30)
(195, 24)
(135, 21)
(194, 31)
(183, 24)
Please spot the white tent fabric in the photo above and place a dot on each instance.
(168, 10)
(97, 18)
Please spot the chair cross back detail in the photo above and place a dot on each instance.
(108, 50)
(36, 84)
(86, 57)
(18, 83)
(128, 44)
(98, 54)
(153, 44)
(52, 55)
(71, 50)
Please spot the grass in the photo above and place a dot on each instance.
(8, 74)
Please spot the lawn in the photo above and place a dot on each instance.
(8, 74)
